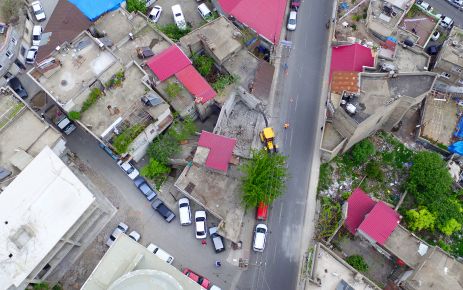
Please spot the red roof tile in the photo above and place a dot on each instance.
(221, 150)
(196, 84)
(380, 222)
(168, 62)
(264, 16)
(359, 204)
(351, 58)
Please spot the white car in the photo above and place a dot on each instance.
(38, 11)
(446, 22)
(179, 19)
(160, 253)
(184, 211)
(128, 168)
(31, 54)
(155, 13)
(435, 35)
(36, 35)
(120, 229)
(200, 222)
(134, 236)
(292, 21)
(260, 235)
(426, 6)
(204, 11)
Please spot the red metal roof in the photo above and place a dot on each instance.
(220, 150)
(263, 16)
(168, 62)
(359, 204)
(380, 222)
(351, 58)
(196, 84)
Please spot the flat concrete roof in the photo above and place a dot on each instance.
(331, 271)
(127, 265)
(331, 137)
(20, 129)
(402, 4)
(453, 53)
(220, 35)
(41, 204)
(405, 245)
(243, 64)
(218, 193)
(439, 271)
(409, 60)
(380, 22)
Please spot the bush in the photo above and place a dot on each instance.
(116, 79)
(324, 179)
(157, 171)
(345, 195)
(10, 10)
(92, 98)
(122, 141)
(420, 220)
(223, 81)
(74, 115)
(357, 262)
(451, 226)
(328, 219)
(362, 152)
(354, 27)
(356, 17)
(373, 170)
(203, 64)
(173, 89)
(136, 5)
(173, 32)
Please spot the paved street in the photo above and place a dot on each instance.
(444, 8)
(277, 267)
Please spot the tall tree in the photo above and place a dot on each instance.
(420, 219)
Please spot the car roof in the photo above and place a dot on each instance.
(200, 213)
(36, 29)
(292, 14)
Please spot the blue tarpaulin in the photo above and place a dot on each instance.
(457, 148)
(392, 38)
(93, 9)
(459, 129)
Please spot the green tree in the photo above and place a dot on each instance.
(223, 81)
(450, 227)
(122, 141)
(203, 64)
(173, 32)
(173, 89)
(420, 219)
(163, 148)
(357, 262)
(264, 178)
(136, 5)
(10, 10)
(155, 170)
(428, 178)
(182, 130)
(362, 151)
(373, 171)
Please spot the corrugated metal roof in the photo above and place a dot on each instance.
(220, 150)
(196, 84)
(380, 222)
(359, 204)
(351, 58)
(344, 81)
(168, 62)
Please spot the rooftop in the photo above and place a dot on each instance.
(37, 216)
(344, 81)
(218, 193)
(406, 59)
(219, 150)
(243, 64)
(351, 58)
(331, 137)
(127, 265)
(35, 134)
(420, 24)
(380, 222)
(196, 84)
(168, 62)
(359, 205)
(452, 50)
(263, 16)
(263, 80)
(384, 16)
(220, 36)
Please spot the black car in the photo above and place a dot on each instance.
(17, 87)
(144, 187)
(163, 210)
(433, 49)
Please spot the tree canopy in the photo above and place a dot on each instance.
(420, 219)
(362, 151)
(264, 178)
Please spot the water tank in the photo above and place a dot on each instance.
(351, 109)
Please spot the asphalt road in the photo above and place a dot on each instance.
(444, 8)
(277, 267)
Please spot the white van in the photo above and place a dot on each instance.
(179, 19)
(160, 253)
(260, 235)
(204, 11)
(184, 211)
(36, 35)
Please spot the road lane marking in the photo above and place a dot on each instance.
(280, 214)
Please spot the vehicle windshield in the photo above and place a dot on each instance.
(178, 14)
(200, 233)
(260, 230)
(200, 219)
(130, 170)
(292, 21)
(183, 205)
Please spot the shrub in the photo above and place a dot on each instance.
(136, 5)
(362, 151)
(116, 79)
(155, 170)
(173, 89)
(74, 115)
(92, 98)
(420, 220)
(356, 17)
(173, 32)
(223, 81)
(324, 179)
(203, 64)
(354, 27)
(451, 226)
(373, 170)
(122, 141)
(345, 195)
(357, 262)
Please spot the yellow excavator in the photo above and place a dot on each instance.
(267, 137)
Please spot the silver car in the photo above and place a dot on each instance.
(120, 229)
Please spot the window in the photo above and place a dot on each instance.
(445, 75)
(23, 50)
(9, 54)
(457, 69)
(13, 40)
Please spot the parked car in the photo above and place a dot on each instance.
(163, 210)
(184, 211)
(134, 236)
(435, 35)
(17, 87)
(433, 49)
(145, 188)
(36, 35)
(155, 13)
(262, 212)
(292, 21)
(426, 6)
(129, 169)
(120, 229)
(108, 151)
(204, 282)
(446, 22)
(31, 54)
(200, 222)
(149, 2)
(260, 235)
(160, 253)
(38, 11)
(4, 173)
(179, 19)
(217, 240)
(295, 4)
(205, 12)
